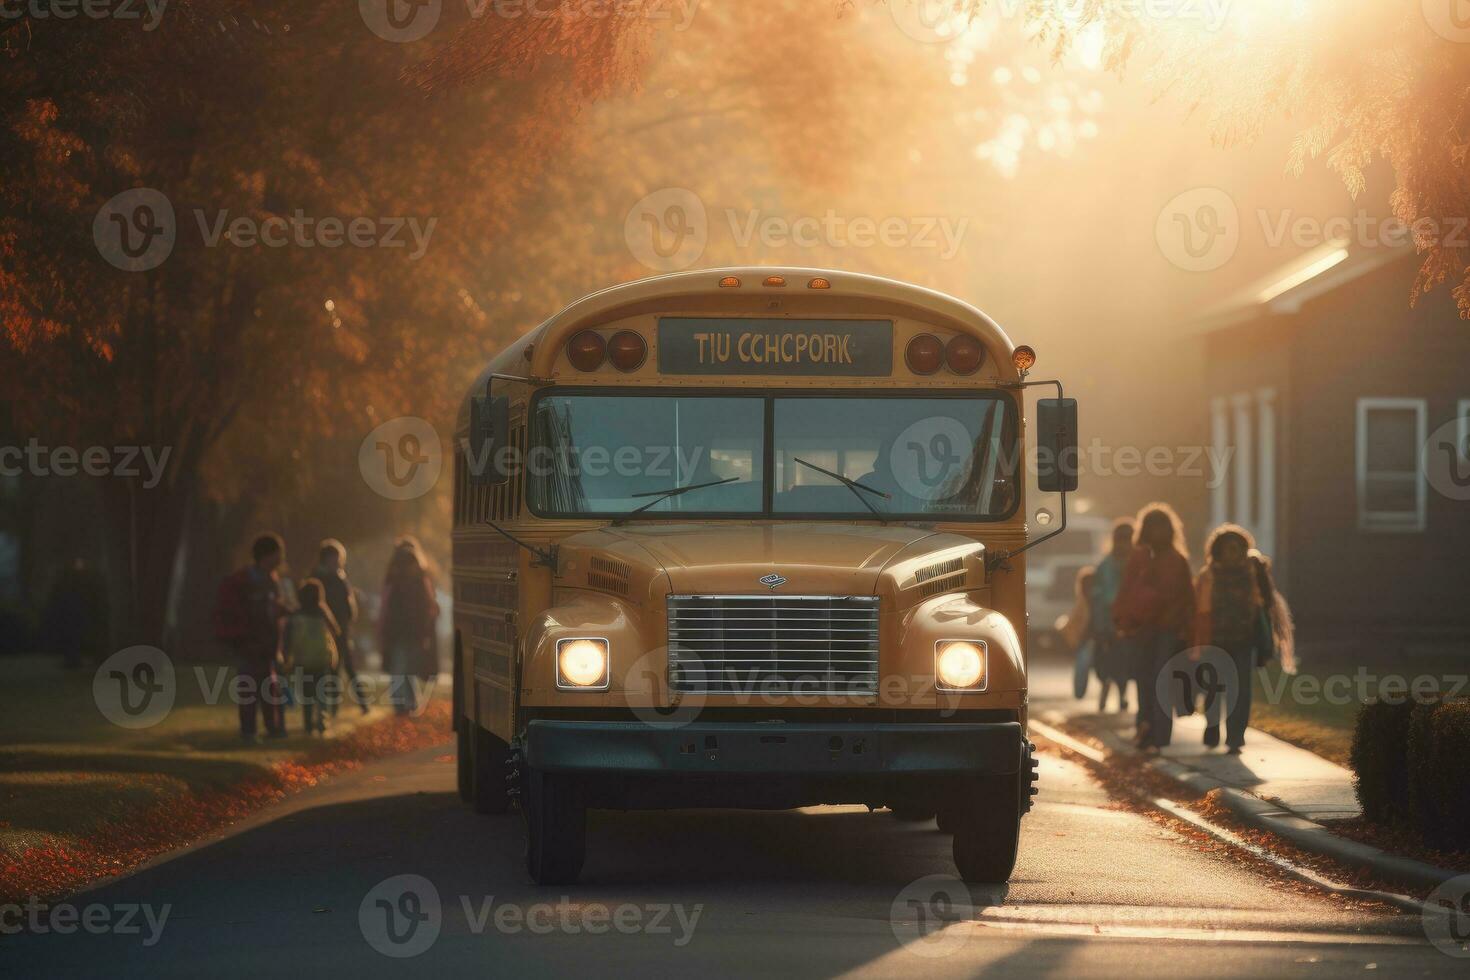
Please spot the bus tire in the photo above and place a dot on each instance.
(464, 773)
(556, 829)
(490, 765)
(987, 829)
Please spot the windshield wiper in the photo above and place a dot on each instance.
(852, 485)
(661, 495)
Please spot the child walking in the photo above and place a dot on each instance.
(311, 652)
(1239, 611)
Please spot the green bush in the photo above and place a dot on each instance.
(1439, 761)
(1421, 810)
(1379, 760)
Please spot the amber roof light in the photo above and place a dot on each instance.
(775, 280)
(819, 283)
(1024, 358)
(730, 282)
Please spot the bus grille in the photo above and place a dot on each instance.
(744, 644)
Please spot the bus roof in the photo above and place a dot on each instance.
(534, 351)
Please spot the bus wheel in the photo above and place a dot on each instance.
(987, 828)
(556, 829)
(490, 759)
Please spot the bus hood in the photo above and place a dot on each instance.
(778, 558)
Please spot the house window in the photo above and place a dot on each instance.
(1391, 491)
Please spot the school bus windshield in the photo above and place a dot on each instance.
(773, 455)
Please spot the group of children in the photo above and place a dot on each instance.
(1140, 606)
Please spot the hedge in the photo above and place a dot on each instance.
(1380, 762)
(1411, 764)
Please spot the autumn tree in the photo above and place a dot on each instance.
(269, 112)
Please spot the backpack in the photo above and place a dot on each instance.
(231, 609)
(309, 644)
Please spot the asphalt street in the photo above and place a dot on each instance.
(385, 872)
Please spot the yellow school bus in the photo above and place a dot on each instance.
(751, 537)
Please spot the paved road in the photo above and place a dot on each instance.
(830, 892)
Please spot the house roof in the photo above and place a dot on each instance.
(1314, 273)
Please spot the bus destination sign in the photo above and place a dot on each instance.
(743, 345)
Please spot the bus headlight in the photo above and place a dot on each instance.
(959, 665)
(581, 664)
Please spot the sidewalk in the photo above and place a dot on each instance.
(1272, 785)
(1293, 778)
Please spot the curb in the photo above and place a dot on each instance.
(1304, 833)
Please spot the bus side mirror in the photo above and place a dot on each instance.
(489, 434)
(1056, 445)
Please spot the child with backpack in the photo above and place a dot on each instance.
(311, 652)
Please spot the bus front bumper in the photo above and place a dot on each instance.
(786, 748)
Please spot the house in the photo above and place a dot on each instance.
(1346, 413)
